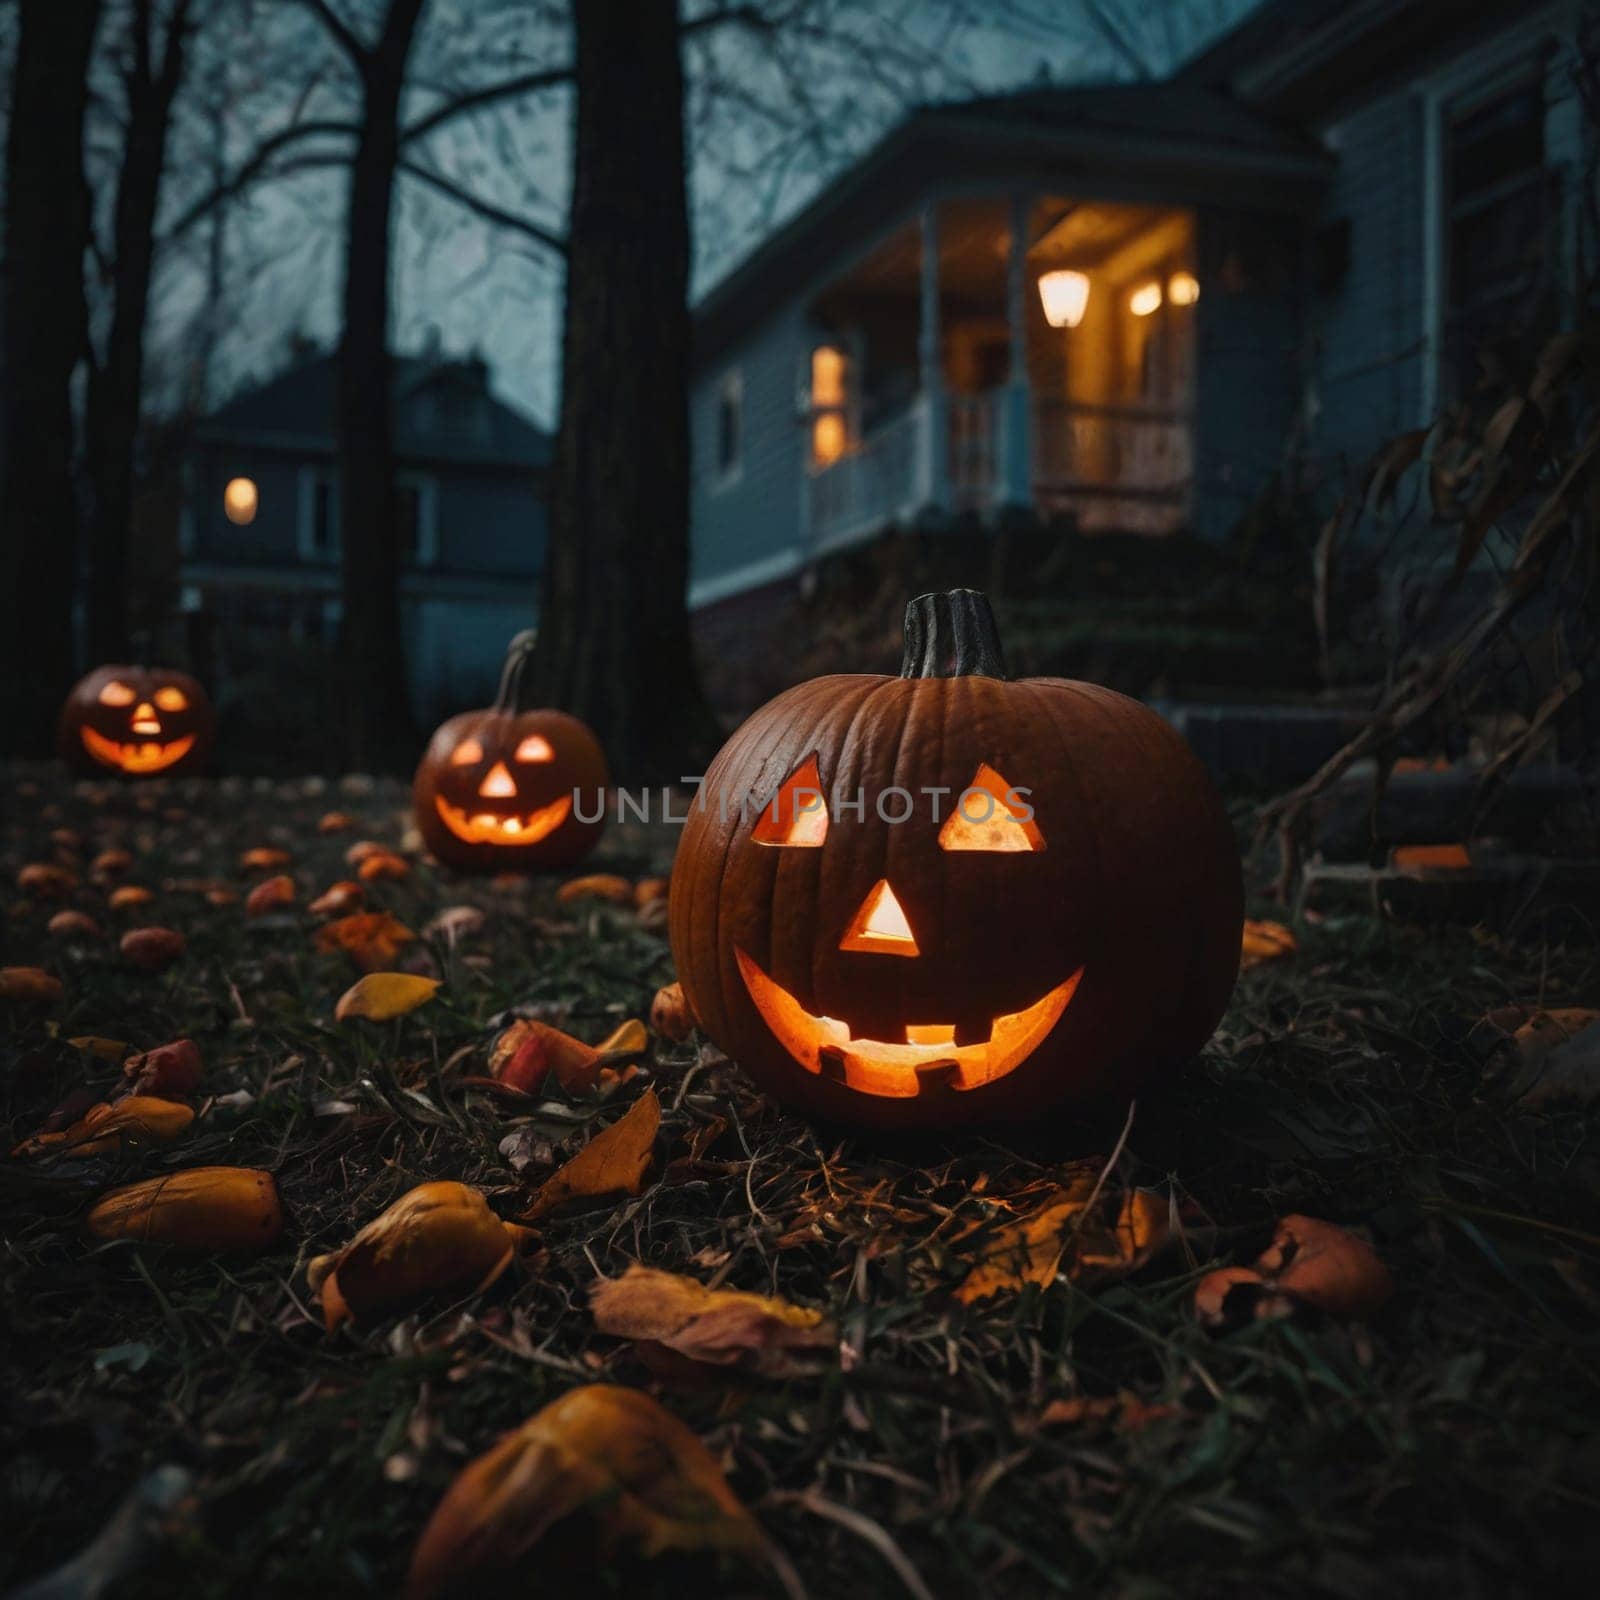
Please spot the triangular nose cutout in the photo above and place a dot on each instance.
(880, 926)
(498, 784)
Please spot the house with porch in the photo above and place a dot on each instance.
(1124, 308)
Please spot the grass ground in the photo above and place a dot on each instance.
(1452, 1444)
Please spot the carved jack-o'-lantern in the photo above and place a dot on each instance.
(945, 898)
(136, 720)
(501, 790)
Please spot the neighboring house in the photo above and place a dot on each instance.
(259, 525)
(1124, 306)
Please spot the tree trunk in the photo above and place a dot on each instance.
(379, 729)
(45, 330)
(614, 645)
(116, 388)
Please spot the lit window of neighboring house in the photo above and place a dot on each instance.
(729, 439)
(830, 405)
(1502, 222)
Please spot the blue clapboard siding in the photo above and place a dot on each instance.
(750, 522)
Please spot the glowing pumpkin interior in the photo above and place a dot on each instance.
(990, 815)
(486, 825)
(148, 747)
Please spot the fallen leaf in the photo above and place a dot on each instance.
(647, 1483)
(626, 1039)
(527, 1052)
(270, 896)
(46, 881)
(648, 890)
(1060, 1238)
(714, 1326)
(151, 949)
(203, 1208)
(382, 864)
(29, 986)
(1124, 1411)
(112, 1050)
(264, 858)
(1309, 1262)
(1430, 858)
(345, 895)
(440, 1238)
(1564, 1064)
(670, 1015)
(73, 925)
(613, 1162)
(111, 862)
(596, 886)
(130, 896)
(371, 938)
(1265, 941)
(361, 849)
(139, 1119)
(335, 822)
(382, 995)
(171, 1070)
(455, 923)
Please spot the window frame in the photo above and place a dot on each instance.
(729, 392)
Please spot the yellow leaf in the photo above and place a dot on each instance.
(646, 1481)
(381, 995)
(628, 1039)
(139, 1118)
(1265, 941)
(1309, 1262)
(1059, 1237)
(613, 1162)
(718, 1326)
(204, 1208)
(112, 1050)
(439, 1238)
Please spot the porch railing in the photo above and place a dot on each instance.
(1120, 450)
(872, 484)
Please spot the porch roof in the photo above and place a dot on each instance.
(1167, 143)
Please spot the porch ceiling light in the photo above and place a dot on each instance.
(1065, 297)
(1183, 288)
(239, 502)
(1145, 299)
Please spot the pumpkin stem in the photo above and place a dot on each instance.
(952, 635)
(515, 675)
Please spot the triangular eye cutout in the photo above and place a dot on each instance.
(991, 815)
(798, 813)
(880, 925)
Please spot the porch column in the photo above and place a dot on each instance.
(935, 408)
(1016, 467)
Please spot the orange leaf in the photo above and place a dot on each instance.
(626, 1039)
(129, 896)
(371, 938)
(1430, 858)
(1060, 1237)
(648, 1485)
(648, 890)
(263, 859)
(1265, 941)
(345, 895)
(439, 1238)
(31, 985)
(169, 1070)
(73, 925)
(270, 895)
(204, 1208)
(44, 880)
(670, 1015)
(613, 1162)
(110, 862)
(335, 822)
(716, 1326)
(596, 886)
(382, 995)
(151, 949)
(529, 1051)
(137, 1119)
(1309, 1262)
(382, 864)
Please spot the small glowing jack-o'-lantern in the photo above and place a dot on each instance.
(139, 721)
(500, 790)
(946, 898)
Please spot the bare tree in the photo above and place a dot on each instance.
(45, 327)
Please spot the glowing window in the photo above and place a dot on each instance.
(828, 438)
(990, 815)
(240, 501)
(827, 376)
(798, 814)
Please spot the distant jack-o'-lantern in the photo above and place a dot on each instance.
(948, 898)
(511, 788)
(139, 721)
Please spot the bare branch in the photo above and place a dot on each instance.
(484, 208)
(340, 32)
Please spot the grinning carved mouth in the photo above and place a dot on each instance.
(928, 1060)
(146, 757)
(482, 827)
